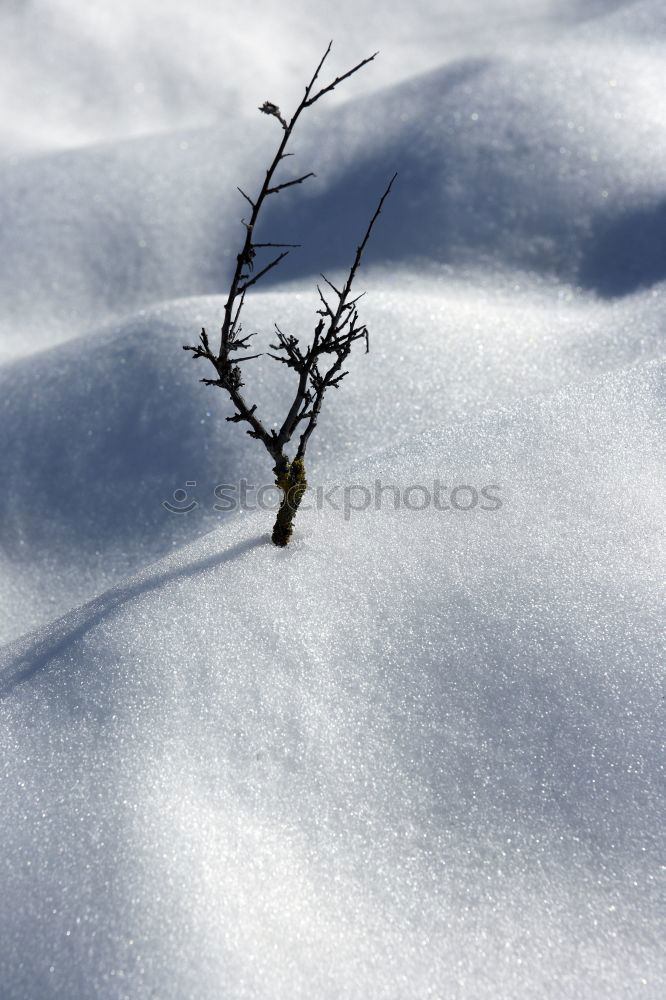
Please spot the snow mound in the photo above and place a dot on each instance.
(417, 754)
(77, 74)
(112, 424)
(645, 19)
(550, 159)
(94, 233)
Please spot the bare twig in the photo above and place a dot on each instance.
(288, 184)
(339, 79)
(246, 196)
(319, 366)
(243, 288)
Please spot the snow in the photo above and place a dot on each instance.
(288, 775)
(419, 753)
(86, 478)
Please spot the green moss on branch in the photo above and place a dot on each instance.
(290, 478)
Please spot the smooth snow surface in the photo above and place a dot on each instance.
(85, 480)
(429, 767)
(420, 753)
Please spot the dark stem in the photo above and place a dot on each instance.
(290, 478)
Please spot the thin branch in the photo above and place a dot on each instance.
(317, 71)
(247, 284)
(327, 309)
(248, 357)
(268, 108)
(331, 285)
(352, 302)
(288, 184)
(234, 322)
(246, 196)
(361, 247)
(339, 79)
(241, 342)
(277, 244)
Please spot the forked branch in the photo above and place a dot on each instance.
(319, 365)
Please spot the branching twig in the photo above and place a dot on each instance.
(319, 366)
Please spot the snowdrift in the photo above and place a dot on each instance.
(528, 160)
(419, 754)
(415, 755)
(79, 74)
(112, 424)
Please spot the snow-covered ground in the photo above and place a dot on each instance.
(420, 753)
